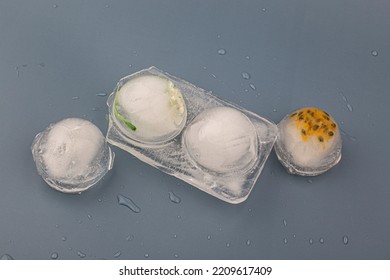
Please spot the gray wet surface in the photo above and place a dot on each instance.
(62, 59)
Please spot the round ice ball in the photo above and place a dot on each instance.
(222, 139)
(72, 155)
(150, 109)
(309, 142)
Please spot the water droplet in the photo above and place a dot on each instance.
(343, 97)
(146, 256)
(264, 9)
(81, 254)
(322, 241)
(311, 241)
(294, 235)
(107, 6)
(274, 110)
(57, 225)
(100, 200)
(6, 257)
(345, 240)
(349, 106)
(374, 53)
(252, 86)
(175, 236)
(130, 237)
(350, 137)
(221, 51)
(117, 254)
(176, 256)
(55, 6)
(42, 64)
(75, 98)
(310, 181)
(101, 94)
(285, 240)
(208, 237)
(284, 222)
(248, 243)
(64, 238)
(178, 216)
(54, 256)
(249, 209)
(213, 75)
(174, 198)
(90, 216)
(246, 75)
(248, 57)
(228, 245)
(130, 65)
(125, 201)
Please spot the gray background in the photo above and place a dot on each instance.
(298, 53)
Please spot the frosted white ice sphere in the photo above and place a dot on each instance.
(222, 139)
(150, 109)
(309, 142)
(72, 155)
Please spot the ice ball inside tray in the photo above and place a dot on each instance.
(150, 108)
(222, 139)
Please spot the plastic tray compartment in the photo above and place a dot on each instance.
(173, 156)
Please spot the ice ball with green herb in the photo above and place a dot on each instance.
(150, 108)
